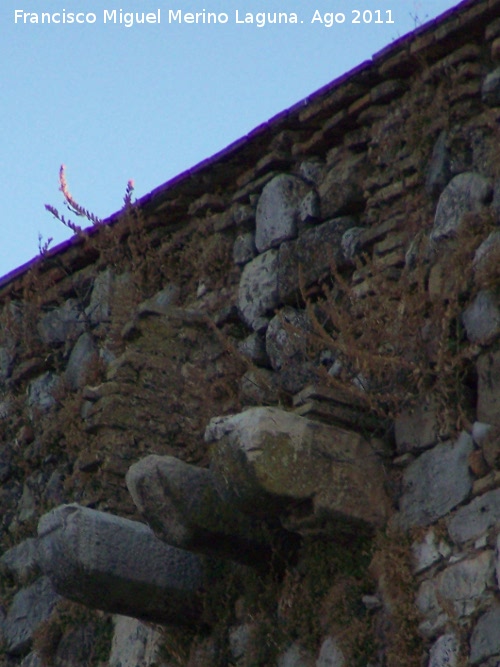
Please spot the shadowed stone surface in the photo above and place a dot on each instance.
(117, 565)
(317, 478)
(181, 504)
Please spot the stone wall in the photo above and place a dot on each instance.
(252, 419)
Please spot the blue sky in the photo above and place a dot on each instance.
(114, 103)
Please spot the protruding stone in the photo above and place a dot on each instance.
(181, 504)
(465, 193)
(436, 482)
(316, 478)
(278, 211)
(117, 565)
(258, 289)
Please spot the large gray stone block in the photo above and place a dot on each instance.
(465, 193)
(316, 478)
(278, 211)
(117, 565)
(436, 482)
(181, 504)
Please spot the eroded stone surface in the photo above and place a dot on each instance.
(117, 565)
(317, 478)
(181, 504)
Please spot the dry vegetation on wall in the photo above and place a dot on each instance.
(384, 334)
